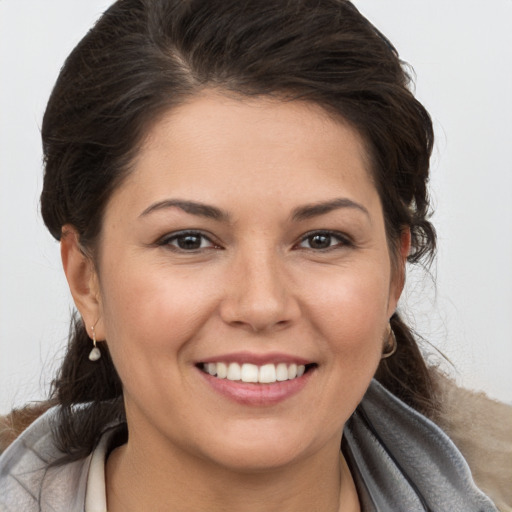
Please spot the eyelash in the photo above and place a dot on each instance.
(342, 241)
(175, 237)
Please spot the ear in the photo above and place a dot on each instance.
(398, 281)
(405, 247)
(82, 280)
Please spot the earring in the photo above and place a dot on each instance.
(392, 344)
(95, 353)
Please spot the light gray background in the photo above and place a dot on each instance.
(462, 54)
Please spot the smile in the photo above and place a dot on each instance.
(251, 373)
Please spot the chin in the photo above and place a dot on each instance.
(264, 450)
(257, 459)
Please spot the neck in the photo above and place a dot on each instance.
(137, 481)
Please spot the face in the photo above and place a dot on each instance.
(244, 282)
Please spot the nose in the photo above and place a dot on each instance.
(259, 293)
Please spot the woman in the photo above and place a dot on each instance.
(236, 187)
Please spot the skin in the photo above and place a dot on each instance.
(256, 284)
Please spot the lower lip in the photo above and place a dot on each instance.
(257, 394)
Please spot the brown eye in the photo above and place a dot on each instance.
(188, 241)
(322, 240)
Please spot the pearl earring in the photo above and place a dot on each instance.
(95, 353)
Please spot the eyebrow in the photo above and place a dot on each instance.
(192, 207)
(316, 209)
(299, 214)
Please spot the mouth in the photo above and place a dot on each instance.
(256, 374)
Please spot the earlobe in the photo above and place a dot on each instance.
(82, 279)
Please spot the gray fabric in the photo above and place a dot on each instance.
(401, 462)
(26, 479)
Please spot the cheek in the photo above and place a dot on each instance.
(152, 312)
(350, 317)
(350, 309)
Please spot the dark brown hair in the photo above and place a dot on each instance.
(143, 57)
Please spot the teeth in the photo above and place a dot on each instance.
(249, 373)
(222, 370)
(281, 372)
(234, 372)
(266, 374)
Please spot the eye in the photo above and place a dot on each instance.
(187, 241)
(322, 240)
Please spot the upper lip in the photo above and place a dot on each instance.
(256, 359)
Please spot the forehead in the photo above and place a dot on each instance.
(214, 143)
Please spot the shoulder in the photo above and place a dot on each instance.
(403, 459)
(29, 478)
(13, 424)
(482, 430)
